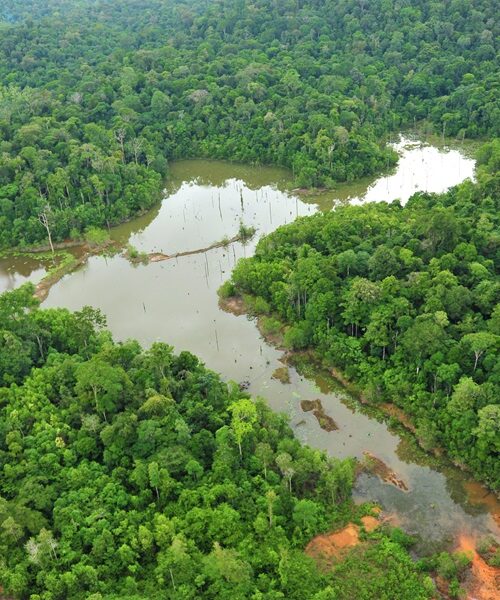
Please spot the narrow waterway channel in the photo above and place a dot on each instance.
(176, 301)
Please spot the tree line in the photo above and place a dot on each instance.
(405, 300)
(97, 96)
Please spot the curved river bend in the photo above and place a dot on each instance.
(176, 301)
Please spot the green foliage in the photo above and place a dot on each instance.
(404, 300)
(244, 415)
(452, 566)
(121, 475)
(381, 571)
(494, 561)
(246, 232)
(489, 549)
(135, 255)
(256, 305)
(96, 237)
(139, 474)
(269, 325)
(132, 252)
(98, 96)
(226, 290)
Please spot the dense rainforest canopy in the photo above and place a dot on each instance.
(133, 475)
(405, 300)
(97, 95)
(139, 474)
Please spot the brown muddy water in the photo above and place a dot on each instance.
(176, 301)
(21, 269)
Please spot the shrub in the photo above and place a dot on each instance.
(226, 290)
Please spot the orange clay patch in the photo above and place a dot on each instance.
(370, 523)
(483, 581)
(329, 547)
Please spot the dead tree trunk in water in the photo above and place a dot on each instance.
(44, 220)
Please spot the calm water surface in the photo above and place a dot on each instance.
(16, 271)
(176, 301)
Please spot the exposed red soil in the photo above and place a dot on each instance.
(370, 523)
(330, 547)
(483, 581)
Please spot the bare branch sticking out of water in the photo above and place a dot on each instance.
(159, 256)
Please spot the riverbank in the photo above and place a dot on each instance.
(65, 263)
(309, 362)
(483, 580)
(61, 258)
(419, 135)
(176, 301)
(480, 581)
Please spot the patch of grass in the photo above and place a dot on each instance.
(96, 237)
(256, 305)
(270, 326)
(489, 549)
(282, 374)
(246, 232)
(226, 290)
(135, 256)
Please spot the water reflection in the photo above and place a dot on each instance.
(176, 301)
(421, 167)
(215, 173)
(14, 271)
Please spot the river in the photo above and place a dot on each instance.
(176, 301)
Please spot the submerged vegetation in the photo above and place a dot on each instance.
(405, 301)
(246, 232)
(97, 96)
(136, 256)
